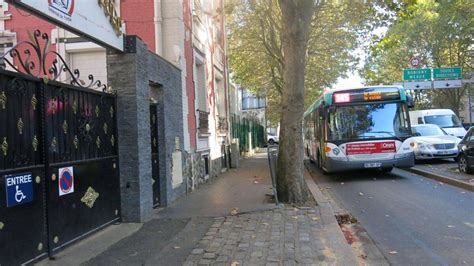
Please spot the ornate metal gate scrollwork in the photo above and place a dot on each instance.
(33, 60)
(47, 126)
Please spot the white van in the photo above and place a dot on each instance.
(444, 118)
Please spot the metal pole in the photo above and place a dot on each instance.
(470, 104)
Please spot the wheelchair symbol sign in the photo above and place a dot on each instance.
(19, 189)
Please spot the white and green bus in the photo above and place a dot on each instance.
(360, 128)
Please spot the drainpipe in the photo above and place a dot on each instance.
(158, 21)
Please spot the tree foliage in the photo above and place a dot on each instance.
(255, 47)
(440, 32)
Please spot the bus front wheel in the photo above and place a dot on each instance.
(387, 169)
(320, 163)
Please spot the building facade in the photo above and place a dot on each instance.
(189, 34)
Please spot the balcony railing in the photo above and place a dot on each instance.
(203, 121)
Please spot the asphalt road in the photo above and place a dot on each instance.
(413, 220)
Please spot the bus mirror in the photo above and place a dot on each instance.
(410, 102)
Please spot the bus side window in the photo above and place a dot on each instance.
(316, 123)
(420, 120)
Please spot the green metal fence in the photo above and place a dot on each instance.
(249, 132)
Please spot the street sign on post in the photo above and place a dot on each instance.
(417, 85)
(417, 74)
(447, 73)
(447, 84)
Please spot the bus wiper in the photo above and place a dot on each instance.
(388, 133)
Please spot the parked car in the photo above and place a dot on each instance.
(466, 153)
(431, 142)
(272, 139)
(444, 118)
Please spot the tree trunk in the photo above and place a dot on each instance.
(296, 19)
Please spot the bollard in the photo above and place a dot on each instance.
(272, 152)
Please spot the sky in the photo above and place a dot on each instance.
(353, 80)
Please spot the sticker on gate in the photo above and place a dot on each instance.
(66, 180)
(19, 189)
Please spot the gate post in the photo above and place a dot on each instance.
(126, 73)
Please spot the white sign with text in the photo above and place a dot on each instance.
(95, 20)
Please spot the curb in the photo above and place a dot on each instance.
(444, 179)
(344, 252)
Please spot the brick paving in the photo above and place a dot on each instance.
(283, 236)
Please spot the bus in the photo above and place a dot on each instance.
(363, 128)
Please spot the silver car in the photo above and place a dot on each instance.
(431, 142)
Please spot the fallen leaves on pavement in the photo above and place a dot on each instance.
(234, 211)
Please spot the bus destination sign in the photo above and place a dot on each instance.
(368, 95)
(373, 96)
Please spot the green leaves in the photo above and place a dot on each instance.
(256, 55)
(440, 32)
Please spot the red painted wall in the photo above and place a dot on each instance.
(21, 23)
(138, 16)
(188, 54)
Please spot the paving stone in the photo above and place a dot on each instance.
(273, 258)
(265, 238)
(226, 252)
(272, 264)
(256, 261)
(307, 254)
(204, 242)
(256, 254)
(305, 248)
(222, 259)
(231, 242)
(229, 246)
(197, 251)
(189, 263)
(205, 262)
(215, 244)
(240, 255)
(211, 249)
(209, 255)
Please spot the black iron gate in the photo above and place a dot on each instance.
(58, 155)
(155, 168)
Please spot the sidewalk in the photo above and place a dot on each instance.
(199, 229)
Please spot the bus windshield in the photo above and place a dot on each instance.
(368, 121)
